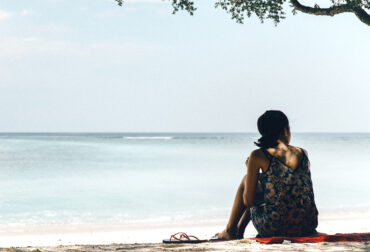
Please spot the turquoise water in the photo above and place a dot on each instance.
(110, 178)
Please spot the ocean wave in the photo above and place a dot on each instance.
(173, 137)
(148, 137)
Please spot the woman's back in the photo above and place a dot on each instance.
(285, 203)
(289, 155)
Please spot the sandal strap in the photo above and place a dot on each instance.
(182, 236)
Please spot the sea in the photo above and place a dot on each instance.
(82, 178)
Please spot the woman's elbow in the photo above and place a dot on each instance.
(248, 205)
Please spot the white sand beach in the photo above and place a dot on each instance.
(241, 245)
(148, 236)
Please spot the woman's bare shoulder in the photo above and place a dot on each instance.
(298, 150)
(259, 159)
(258, 155)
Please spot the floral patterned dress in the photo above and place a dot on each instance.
(285, 204)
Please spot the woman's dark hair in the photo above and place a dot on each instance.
(270, 125)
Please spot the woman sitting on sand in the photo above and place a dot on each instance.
(277, 191)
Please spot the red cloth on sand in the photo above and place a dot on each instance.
(353, 237)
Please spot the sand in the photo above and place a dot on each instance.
(241, 245)
(148, 236)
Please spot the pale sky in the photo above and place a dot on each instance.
(91, 66)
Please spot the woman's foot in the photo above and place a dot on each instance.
(226, 235)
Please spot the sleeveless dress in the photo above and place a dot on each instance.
(285, 204)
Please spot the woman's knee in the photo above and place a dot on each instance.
(242, 183)
(244, 179)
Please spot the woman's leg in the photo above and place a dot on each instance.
(244, 220)
(239, 216)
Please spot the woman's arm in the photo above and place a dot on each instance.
(253, 164)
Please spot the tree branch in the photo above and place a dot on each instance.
(334, 10)
(362, 15)
(321, 11)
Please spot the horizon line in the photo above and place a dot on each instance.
(174, 132)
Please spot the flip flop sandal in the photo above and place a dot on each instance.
(182, 237)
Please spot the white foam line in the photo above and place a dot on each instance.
(149, 138)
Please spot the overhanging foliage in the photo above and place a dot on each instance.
(274, 9)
